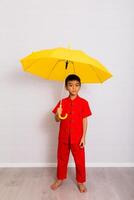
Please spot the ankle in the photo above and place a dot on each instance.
(80, 183)
(59, 180)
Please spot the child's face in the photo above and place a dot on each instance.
(73, 87)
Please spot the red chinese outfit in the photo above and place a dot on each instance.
(70, 133)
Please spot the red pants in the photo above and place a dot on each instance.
(63, 157)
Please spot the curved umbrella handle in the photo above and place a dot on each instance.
(64, 117)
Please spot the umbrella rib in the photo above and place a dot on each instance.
(32, 63)
(73, 67)
(92, 70)
(53, 68)
(96, 73)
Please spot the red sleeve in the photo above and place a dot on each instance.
(86, 109)
(55, 109)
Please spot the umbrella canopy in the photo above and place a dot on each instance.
(57, 63)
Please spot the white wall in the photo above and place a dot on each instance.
(103, 29)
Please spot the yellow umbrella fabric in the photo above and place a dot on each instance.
(57, 63)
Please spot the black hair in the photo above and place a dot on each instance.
(72, 77)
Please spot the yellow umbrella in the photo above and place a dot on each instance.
(57, 63)
(54, 64)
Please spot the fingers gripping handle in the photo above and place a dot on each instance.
(64, 117)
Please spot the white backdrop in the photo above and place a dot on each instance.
(104, 30)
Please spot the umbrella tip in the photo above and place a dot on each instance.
(69, 46)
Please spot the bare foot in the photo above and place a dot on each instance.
(56, 184)
(82, 187)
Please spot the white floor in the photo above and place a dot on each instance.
(34, 183)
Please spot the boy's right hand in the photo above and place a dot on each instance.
(59, 110)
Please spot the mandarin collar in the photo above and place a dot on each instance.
(72, 100)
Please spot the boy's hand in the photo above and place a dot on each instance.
(59, 110)
(82, 142)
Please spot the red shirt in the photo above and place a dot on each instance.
(71, 128)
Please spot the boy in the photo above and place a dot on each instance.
(72, 132)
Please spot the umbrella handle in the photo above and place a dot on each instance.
(64, 117)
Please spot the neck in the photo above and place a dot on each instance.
(73, 96)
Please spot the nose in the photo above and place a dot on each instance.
(73, 87)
